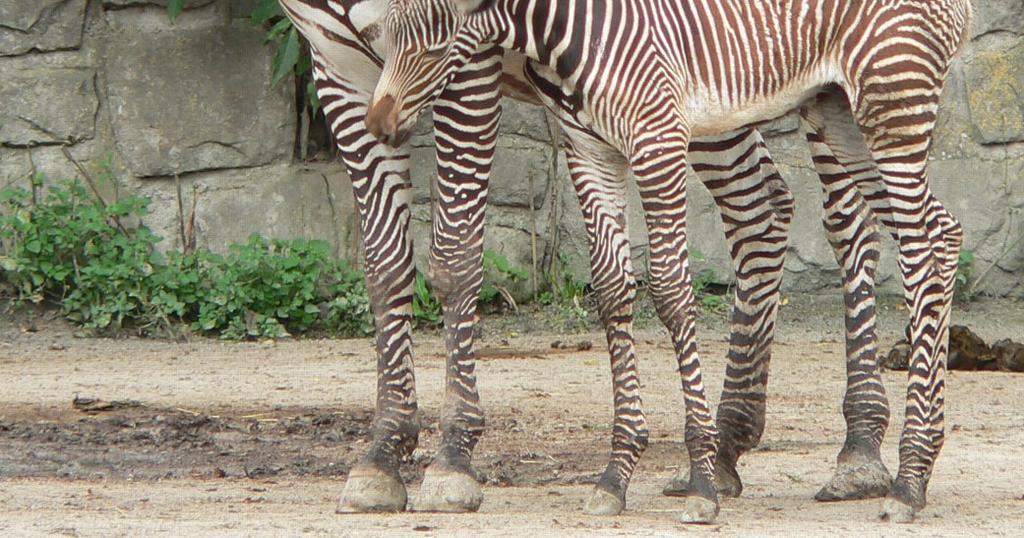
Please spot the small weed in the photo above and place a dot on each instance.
(964, 273)
(497, 267)
(707, 288)
(426, 308)
(567, 292)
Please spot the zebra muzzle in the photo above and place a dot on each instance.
(382, 121)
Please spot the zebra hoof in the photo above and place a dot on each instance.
(699, 510)
(370, 490)
(863, 481)
(450, 491)
(896, 511)
(603, 503)
(727, 483)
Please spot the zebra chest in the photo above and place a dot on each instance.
(344, 37)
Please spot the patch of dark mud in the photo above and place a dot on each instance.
(967, 351)
(146, 443)
(142, 443)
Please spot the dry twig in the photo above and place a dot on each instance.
(92, 186)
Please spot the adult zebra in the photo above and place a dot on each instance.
(756, 209)
(754, 202)
(645, 77)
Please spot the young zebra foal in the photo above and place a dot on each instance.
(648, 76)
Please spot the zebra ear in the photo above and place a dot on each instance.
(470, 6)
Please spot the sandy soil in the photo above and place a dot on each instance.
(256, 438)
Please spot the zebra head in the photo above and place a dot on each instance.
(426, 43)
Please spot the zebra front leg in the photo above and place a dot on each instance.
(599, 174)
(756, 208)
(659, 164)
(466, 118)
(380, 184)
(847, 173)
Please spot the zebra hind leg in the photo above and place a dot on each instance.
(659, 164)
(845, 167)
(899, 136)
(599, 177)
(466, 120)
(756, 208)
(599, 174)
(757, 231)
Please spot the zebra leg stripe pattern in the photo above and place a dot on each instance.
(380, 184)
(466, 124)
(843, 164)
(658, 160)
(898, 137)
(599, 178)
(466, 121)
(756, 208)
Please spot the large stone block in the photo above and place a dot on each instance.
(952, 132)
(45, 105)
(987, 197)
(195, 97)
(17, 165)
(40, 25)
(998, 15)
(525, 120)
(995, 84)
(278, 201)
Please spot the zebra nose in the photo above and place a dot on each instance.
(382, 119)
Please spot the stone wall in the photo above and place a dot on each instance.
(115, 79)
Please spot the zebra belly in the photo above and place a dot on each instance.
(705, 121)
(710, 113)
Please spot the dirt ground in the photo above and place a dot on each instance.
(225, 439)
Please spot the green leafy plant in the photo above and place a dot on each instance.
(263, 288)
(347, 311)
(73, 248)
(77, 251)
(565, 287)
(566, 290)
(174, 8)
(706, 285)
(426, 307)
(703, 287)
(964, 274)
(497, 266)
